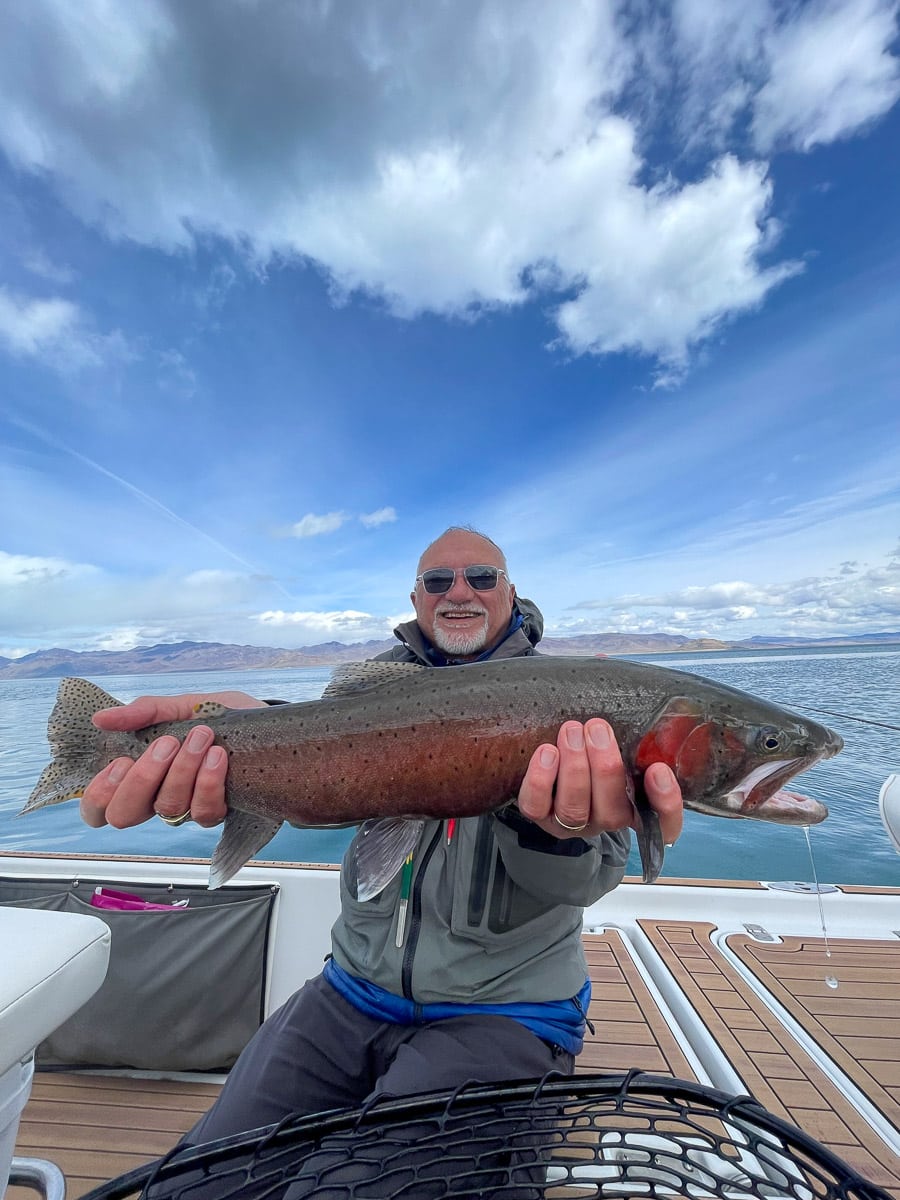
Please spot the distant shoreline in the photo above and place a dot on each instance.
(170, 658)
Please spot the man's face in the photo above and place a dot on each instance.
(462, 622)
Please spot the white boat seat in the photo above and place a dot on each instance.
(889, 803)
(52, 964)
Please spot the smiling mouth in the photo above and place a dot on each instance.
(451, 614)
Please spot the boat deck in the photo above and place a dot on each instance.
(672, 997)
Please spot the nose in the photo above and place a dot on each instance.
(460, 589)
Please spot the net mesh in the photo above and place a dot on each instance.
(588, 1136)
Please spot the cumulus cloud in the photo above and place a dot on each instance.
(349, 625)
(813, 606)
(799, 76)
(314, 525)
(453, 166)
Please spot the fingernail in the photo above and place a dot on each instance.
(197, 741)
(214, 757)
(663, 779)
(163, 748)
(119, 770)
(575, 737)
(600, 735)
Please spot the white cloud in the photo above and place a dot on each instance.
(831, 72)
(802, 75)
(32, 571)
(13, 652)
(39, 264)
(381, 516)
(30, 326)
(446, 165)
(816, 605)
(313, 525)
(349, 625)
(55, 331)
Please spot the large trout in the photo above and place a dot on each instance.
(396, 743)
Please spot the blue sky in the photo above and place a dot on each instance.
(286, 289)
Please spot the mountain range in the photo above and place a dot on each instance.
(216, 656)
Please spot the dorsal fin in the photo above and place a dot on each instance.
(363, 676)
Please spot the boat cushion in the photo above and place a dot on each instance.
(53, 963)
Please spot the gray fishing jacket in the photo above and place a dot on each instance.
(494, 915)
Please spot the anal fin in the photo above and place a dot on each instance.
(243, 835)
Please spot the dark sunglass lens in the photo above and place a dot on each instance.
(437, 581)
(482, 579)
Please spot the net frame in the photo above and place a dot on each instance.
(633, 1134)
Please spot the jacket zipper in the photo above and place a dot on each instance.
(414, 923)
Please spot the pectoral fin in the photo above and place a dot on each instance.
(381, 848)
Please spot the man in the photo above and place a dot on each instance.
(480, 974)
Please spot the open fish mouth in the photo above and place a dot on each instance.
(761, 795)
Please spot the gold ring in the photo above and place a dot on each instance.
(173, 821)
(571, 828)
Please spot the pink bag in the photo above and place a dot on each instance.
(105, 897)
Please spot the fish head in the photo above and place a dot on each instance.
(732, 755)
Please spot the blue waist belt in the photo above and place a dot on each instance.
(560, 1022)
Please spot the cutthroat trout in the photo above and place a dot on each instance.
(396, 743)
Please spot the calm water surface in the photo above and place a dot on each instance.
(850, 847)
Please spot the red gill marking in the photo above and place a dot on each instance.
(663, 742)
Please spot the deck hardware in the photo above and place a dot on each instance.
(803, 886)
(760, 933)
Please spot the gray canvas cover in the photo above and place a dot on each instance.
(185, 989)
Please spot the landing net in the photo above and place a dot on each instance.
(633, 1135)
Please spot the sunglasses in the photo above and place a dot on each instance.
(441, 579)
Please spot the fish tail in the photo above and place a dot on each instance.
(74, 743)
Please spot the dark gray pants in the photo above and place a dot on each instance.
(318, 1052)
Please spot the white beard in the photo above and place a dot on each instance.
(462, 643)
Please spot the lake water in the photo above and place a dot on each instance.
(850, 847)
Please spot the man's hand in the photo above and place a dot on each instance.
(169, 778)
(577, 787)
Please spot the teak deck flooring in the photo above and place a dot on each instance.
(775, 1068)
(95, 1127)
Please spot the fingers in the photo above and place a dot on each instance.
(536, 793)
(146, 710)
(572, 804)
(168, 778)
(100, 791)
(150, 710)
(195, 780)
(578, 787)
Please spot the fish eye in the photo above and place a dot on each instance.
(770, 739)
